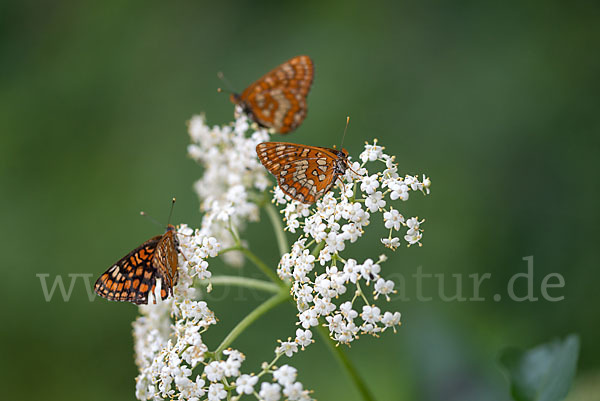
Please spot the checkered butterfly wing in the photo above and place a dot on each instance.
(133, 277)
(305, 173)
(278, 99)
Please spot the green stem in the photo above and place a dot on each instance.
(261, 265)
(230, 249)
(263, 308)
(277, 227)
(361, 386)
(318, 248)
(241, 281)
(254, 259)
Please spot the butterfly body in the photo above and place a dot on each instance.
(134, 276)
(305, 173)
(278, 99)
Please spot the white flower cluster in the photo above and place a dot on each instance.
(167, 351)
(226, 379)
(232, 178)
(171, 356)
(335, 221)
(173, 360)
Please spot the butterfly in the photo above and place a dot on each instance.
(305, 173)
(133, 277)
(278, 99)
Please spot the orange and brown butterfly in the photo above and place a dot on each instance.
(305, 173)
(133, 277)
(278, 99)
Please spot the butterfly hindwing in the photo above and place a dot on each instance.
(278, 99)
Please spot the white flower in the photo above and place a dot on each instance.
(393, 219)
(293, 223)
(391, 243)
(347, 311)
(384, 287)
(210, 246)
(287, 347)
(371, 152)
(279, 196)
(371, 314)
(308, 318)
(391, 171)
(375, 201)
(245, 384)
(399, 189)
(351, 232)
(370, 270)
(215, 371)
(285, 375)
(304, 337)
(270, 391)
(323, 306)
(335, 242)
(413, 223)
(390, 319)
(351, 270)
(232, 367)
(355, 171)
(294, 391)
(216, 392)
(369, 184)
(335, 322)
(426, 185)
(234, 355)
(413, 236)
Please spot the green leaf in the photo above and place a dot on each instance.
(543, 373)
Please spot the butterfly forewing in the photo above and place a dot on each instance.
(305, 173)
(133, 277)
(278, 99)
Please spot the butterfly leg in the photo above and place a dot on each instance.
(350, 168)
(342, 182)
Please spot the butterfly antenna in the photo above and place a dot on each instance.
(142, 213)
(345, 129)
(171, 211)
(229, 87)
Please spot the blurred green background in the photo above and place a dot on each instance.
(496, 101)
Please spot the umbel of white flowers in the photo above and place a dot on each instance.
(330, 289)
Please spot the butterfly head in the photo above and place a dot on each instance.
(235, 98)
(172, 231)
(341, 163)
(246, 109)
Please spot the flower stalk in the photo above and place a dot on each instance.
(347, 364)
(263, 308)
(247, 282)
(282, 243)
